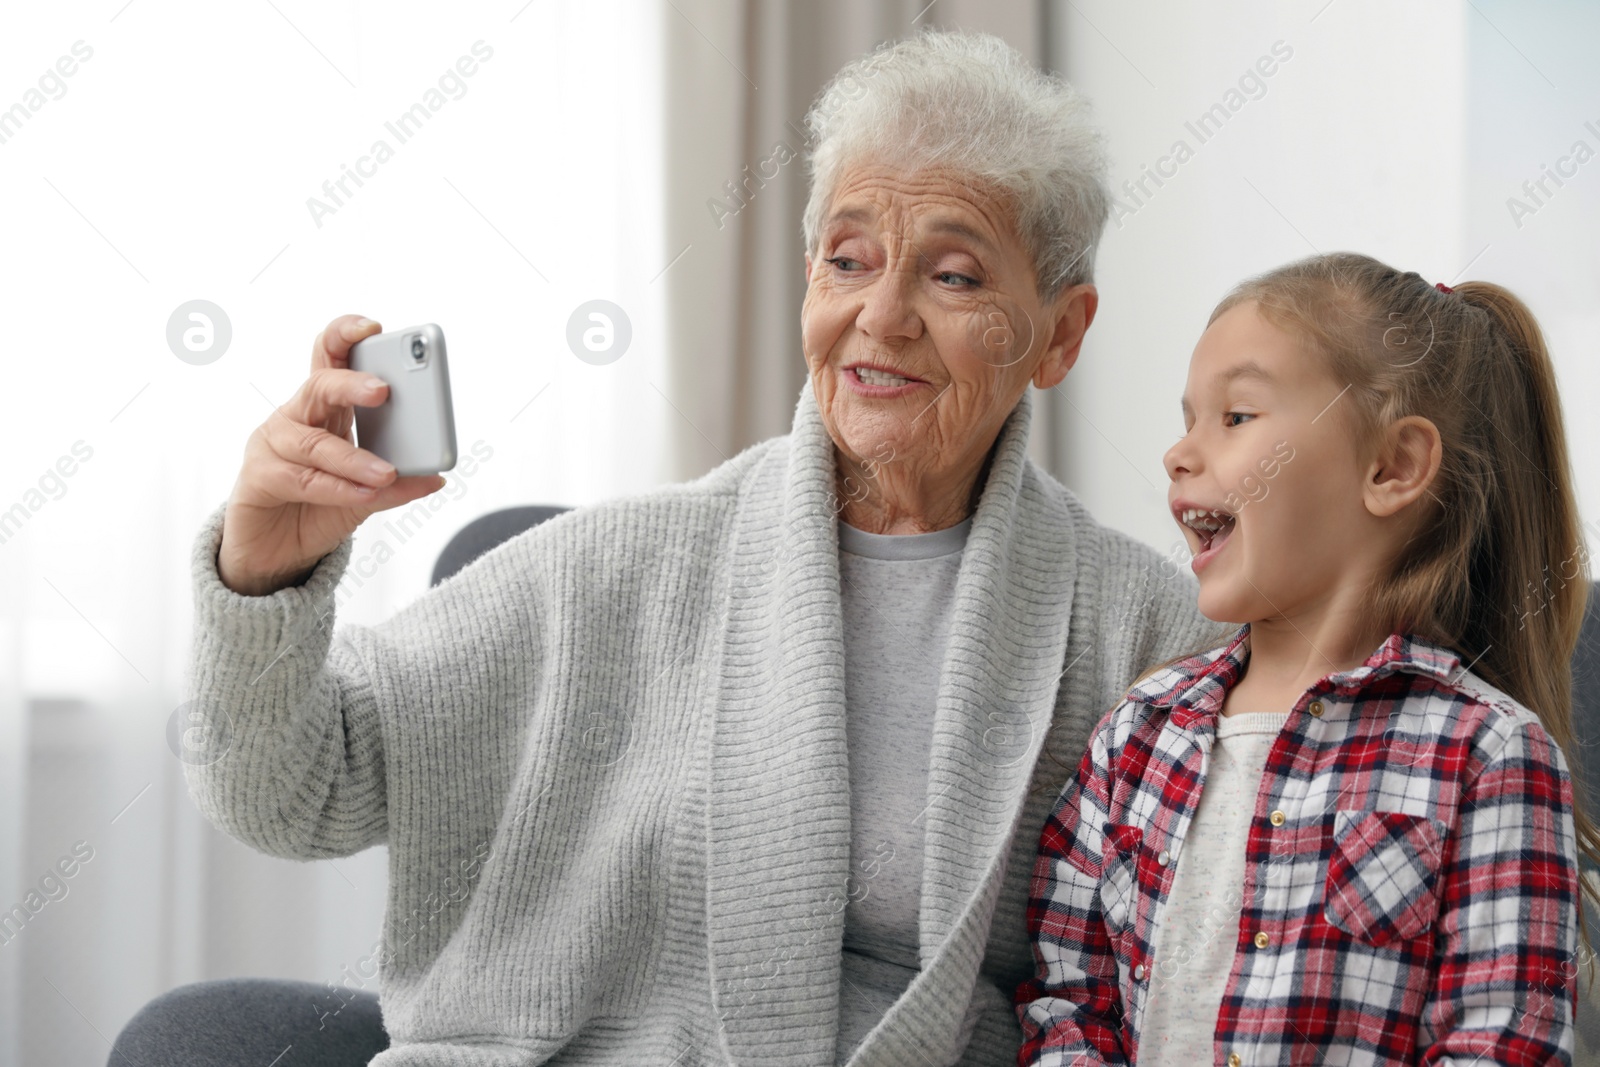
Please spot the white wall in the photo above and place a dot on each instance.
(1394, 130)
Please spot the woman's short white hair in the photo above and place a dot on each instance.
(970, 102)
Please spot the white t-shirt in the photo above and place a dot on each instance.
(1192, 952)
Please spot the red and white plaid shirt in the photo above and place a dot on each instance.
(1410, 885)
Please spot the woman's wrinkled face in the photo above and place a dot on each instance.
(921, 324)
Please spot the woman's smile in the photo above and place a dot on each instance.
(879, 380)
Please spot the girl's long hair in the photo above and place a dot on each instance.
(1497, 570)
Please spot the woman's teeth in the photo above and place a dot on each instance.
(879, 377)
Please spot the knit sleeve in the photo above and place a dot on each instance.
(279, 733)
(1170, 622)
(1151, 604)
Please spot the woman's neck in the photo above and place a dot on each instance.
(898, 498)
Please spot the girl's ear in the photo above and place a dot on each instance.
(1406, 464)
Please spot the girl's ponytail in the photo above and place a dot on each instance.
(1531, 628)
(1531, 576)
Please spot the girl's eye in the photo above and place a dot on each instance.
(1238, 414)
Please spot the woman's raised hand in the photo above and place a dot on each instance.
(304, 486)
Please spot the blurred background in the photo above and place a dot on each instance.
(154, 153)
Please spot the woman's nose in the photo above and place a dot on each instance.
(887, 306)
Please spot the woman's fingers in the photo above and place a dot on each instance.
(294, 482)
(332, 346)
(310, 446)
(310, 458)
(290, 481)
(328, 400)
(331, 351)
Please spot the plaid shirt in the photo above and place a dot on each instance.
(1410, 890)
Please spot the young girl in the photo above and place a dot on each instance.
(1349, 834)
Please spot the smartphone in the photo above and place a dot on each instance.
(415, 427)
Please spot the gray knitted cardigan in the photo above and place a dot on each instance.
(608, 760)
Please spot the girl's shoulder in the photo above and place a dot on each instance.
(1439, 712)
(1499, 724)
(1443, 683)
(1473, 687)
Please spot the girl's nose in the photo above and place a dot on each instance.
(1178, 459)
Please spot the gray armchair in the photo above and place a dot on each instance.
(1586, 705)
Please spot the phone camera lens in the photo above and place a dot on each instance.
(418, 348)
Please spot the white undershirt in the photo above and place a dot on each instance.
(1194, 946)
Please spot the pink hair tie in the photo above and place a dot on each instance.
(1442, 287)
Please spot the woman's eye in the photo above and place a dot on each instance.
(1237, 414)
(836, 260)
(967, 283)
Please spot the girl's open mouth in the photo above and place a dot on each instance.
(1214, 527)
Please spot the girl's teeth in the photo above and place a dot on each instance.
(878, 377)
(1206, 521)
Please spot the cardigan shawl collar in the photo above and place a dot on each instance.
(778, 766)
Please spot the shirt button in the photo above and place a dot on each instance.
(1234, 1060)
(1316, 708)
(1164, 858)
(1138, 971)
(1262, 940)
(1277, 818)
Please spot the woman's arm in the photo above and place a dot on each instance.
(1508, 918)
(280, 737)
(1153, 605)
(1071, 1010)
(1173, 624)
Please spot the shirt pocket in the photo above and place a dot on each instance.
(1119, 869)
(1383, 874)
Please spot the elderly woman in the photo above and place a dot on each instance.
(827, 669)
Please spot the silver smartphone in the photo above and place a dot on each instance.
(415, 427)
